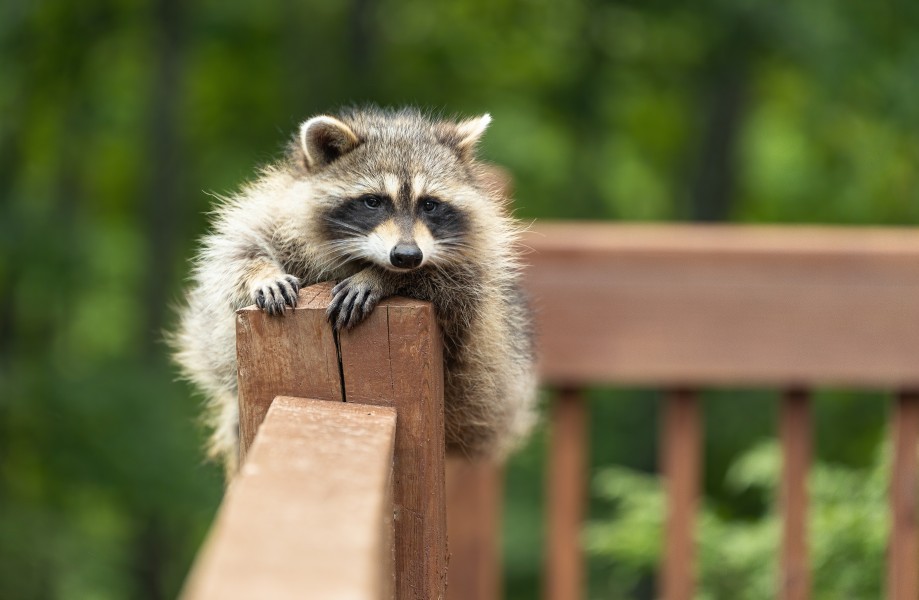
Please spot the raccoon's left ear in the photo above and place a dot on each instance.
(465, 135)
(324, 138)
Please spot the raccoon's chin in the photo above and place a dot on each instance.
(376, 263)
(402, 270)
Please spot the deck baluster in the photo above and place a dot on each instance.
(795, 433)
(681, 449)
(567, 489)
(903, 555)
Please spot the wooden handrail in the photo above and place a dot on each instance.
(309, 514)
(692, 306)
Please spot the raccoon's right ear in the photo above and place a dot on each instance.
(465, 135)
(323, 139)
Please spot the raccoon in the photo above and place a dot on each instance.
(384, 202)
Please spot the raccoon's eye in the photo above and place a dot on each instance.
(372, 201)
(430, 205)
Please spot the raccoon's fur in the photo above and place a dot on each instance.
(385, 202)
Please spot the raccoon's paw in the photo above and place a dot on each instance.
(272, 295)
(352, 301)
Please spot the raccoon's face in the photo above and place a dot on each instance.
(396, 193)
(396, 227)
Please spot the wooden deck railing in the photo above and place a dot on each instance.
(677, 308)
(683, 308)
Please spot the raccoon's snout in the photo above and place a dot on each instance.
(406, 256)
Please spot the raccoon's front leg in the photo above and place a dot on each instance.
(355, 297)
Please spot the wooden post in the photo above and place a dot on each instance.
(293, 355)
(681, 450)
(393, 359)
(567, 490)
(795, 431)
(474, 497)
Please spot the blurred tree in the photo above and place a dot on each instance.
(165, 163)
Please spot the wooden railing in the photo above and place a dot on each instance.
(683, 308)
(310, 514)
(672, 307)
(303, 517)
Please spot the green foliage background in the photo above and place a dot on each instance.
(117, 116)
(848, 529)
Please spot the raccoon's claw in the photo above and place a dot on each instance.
(273, 296)
(352, 302)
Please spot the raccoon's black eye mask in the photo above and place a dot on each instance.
(359, 215)
(443, 219)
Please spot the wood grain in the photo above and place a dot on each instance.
(395, 358)
(681, 459)
(795, 432)
(293, 355)
(309, 514)
(903, 555)
(566, 491)
(474, 500)
(674, 305)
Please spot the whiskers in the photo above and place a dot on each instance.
(334, 254)
(455, 243)
(450, 250)
(344, 226)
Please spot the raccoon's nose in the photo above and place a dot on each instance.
(406, 256)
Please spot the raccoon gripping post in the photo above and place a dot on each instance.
(384, 202)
